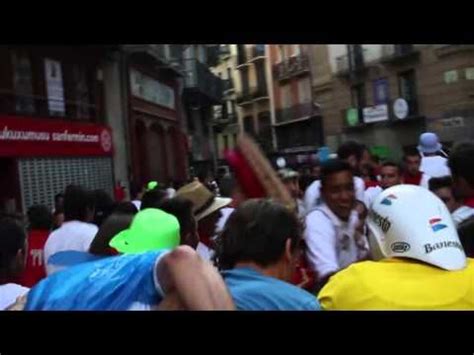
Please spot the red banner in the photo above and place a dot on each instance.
(30, 137)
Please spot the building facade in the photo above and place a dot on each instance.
(53, 129)
(387, 95)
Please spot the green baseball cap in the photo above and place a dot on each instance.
(151, 229)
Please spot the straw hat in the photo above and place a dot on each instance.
(204, 201)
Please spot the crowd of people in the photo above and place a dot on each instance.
(362, 233)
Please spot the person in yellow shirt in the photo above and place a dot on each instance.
(419, 262)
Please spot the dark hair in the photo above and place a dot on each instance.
(77, 202)
(12, 239)
(375, 158)
(153, 198)
(135, 189)
(226, 186)
(257, 232)
(40, 217)
(350, 148)
(440, 182)
(104, 205)
(393, 165)
(461, 161)
(112, 225)
(466, 236)
(182, 209)
(126, 207)
(331, 167)
(411, 152)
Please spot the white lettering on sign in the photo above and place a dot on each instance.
(375, 114)
(16, 135)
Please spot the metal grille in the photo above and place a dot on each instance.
(42, 178)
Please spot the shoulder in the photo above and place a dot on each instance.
(315, 185)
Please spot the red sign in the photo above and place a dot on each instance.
(27, 137)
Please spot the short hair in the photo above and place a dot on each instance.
(77, 201)
(40, 217)
(12, 239)
(182, 209)
(126, 207)
(350, 148)
(393, 165)
(332, 167)
(461, 161)
(104, 205)
(440, 182)
(249, 235)
(153, 198)
(411, 152)
(113, 225)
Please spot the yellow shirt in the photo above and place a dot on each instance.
(399, 284)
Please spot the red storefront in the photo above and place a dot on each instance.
(40, 157)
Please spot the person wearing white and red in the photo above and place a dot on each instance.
(390, 175)
(357, 156)
(77, 231)
(40, 221)
(412, 173)
(330, 233)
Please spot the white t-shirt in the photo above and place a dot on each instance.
(461, 214)
(331, 243)
(204, 252)
(137, 203)
(312, 196)
(370, 194)
(9, 293)
(435, 166)
(72, 235)
(225, 214)
(425, 180)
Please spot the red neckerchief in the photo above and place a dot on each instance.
(412, 180)
(469, 202)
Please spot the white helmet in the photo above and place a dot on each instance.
(409, 221)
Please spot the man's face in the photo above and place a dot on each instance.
(338, 193)
(365, 159)
(413, 163)
(390, 177)
(316, 171)
(446, 195)
(293, 187)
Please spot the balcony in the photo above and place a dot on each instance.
(244, 98)
(201, 81)
(348, 65)
(164, 56)
(228, 85)
(448, 49)
(260, 93)
(399, 53)
(292, 67)
(294, 113)
(257, 52)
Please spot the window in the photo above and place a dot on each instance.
(226, 142)
(407, 85)
(304, 91)
(281, 54)
(241, 55)
(259, 50)
(358, 96)
(22, 83)
(249, 126)
(296, 49)
(54, 87)
(381, 94)
(245, 81)
(285, 92)
(81, 92)
(261, 79)
(356, 56)
(265, 131)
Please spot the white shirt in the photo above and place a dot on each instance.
(331, 243)
(461, 214)
(171, 192)
(312, 196)
(301, 208)
(370, 194)
(204, 252)
(72, 235)
(137, 203)
(225, 214)
(9, 293)
(425, 180)
(435, 166)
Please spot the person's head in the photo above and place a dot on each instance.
(337, 187)
(78, 204)
(153, 198)
(182, 209)
(40, 217)
(409, 221)
(59, 201)
(290, 179)
(461, 163)
(12, 249)
(263, 233)
(466, 235)
(126, 207)
(412, 161)
(391, 175)
(316, 171)
(104, 205)
(355, 154)
(230, 188)
(429, 144)
(443, 188)
(112, 225)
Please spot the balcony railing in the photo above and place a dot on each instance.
(294, 112)
(446, 49)
(260, 92)
(258, 52)
(200, 79)
(397, 52)
(228, 84)
(31, 105)
(244, 98)
(345, 65)
(291, 67)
